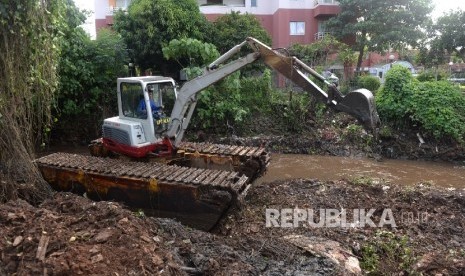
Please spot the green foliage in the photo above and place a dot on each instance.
(228, 102)
(388, 254)
(436, 107)
(431, 55)
(30, 31)
(450, 27)
(440, 108)
(386, 132)
(149, 25)
(221, 104)
(376, 24)
(431, 75)
(347, 57)
(88, 72)
(392, 98)
(190, 52)
(362, 180)
(317, 53)
(371, 83)
(290, 109)
(257, 92)
(231, 29)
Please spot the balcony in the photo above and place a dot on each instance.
(326, 8)
(112, 10)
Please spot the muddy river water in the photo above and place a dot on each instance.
(405, 172)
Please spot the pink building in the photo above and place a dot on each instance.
(287, 21)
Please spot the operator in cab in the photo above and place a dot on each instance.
(142, 109)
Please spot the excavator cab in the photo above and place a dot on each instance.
(141, 122)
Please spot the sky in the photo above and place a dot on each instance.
(89, 26)
(442, 6)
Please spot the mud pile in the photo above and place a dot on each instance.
(71, 235)
(422, 233)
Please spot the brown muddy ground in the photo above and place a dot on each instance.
(71, 235)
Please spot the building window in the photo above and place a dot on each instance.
(253, 3)
(214, 2)
(297, 28)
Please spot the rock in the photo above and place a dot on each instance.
(425, 260)
(104, 235)
(97, 258)
(145, 238)
(330, 249)
(17, 241)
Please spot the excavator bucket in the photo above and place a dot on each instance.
(359, 103)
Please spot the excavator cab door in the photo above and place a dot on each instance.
(164, 97)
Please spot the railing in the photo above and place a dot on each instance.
(113, 10)
(321, 35)
(326, 2)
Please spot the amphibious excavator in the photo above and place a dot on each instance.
(193, 182)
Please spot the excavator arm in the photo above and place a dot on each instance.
(359, 103)
(187, 95)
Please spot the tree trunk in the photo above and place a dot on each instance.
(361, 51)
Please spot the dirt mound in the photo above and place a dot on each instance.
(71, 235)
(427, 237)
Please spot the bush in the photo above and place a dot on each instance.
(231, 101)
(371, 83)
(440, 109)
(391, 99)
(436, 107)
(431, 75)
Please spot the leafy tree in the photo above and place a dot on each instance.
(317, 53)
(29, 30)
(233, 28)
(378, 25)
(88, 72)
(451, 35)
(149, 25)
(431, 55)
(190, 52)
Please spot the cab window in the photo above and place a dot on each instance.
(131, 94)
